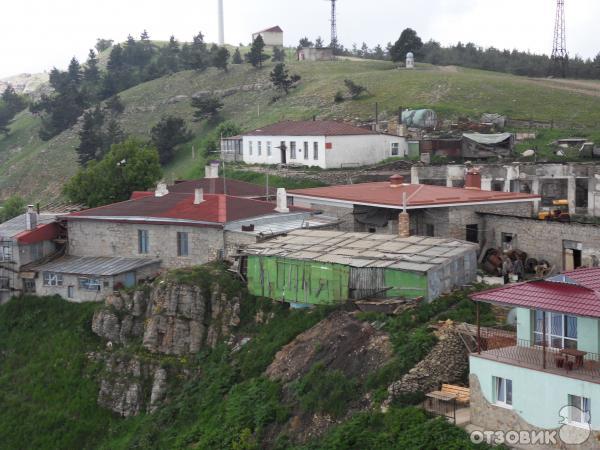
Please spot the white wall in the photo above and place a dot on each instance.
(274, 39)
(345, 151)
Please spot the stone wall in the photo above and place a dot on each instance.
(489, 417)
(542, 239)
(100, 238)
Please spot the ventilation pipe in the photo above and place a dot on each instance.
(31, 218)
(198, 196)
(161, 189)
(282, 201)
(396, 181)
(404, 220)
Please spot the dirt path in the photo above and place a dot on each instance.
(585, 87)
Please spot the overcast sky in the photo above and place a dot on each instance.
(36, 35)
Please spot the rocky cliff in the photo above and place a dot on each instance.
(169, 318)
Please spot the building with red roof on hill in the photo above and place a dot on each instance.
(122, 243)
(551, 366)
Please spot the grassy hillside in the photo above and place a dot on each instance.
(49, 385)
(38, 169)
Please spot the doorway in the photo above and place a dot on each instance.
(572, 253)
(473, 233)
(283, 153)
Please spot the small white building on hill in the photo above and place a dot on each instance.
(273, 36)
(326, 144)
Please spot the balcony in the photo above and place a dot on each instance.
(580, 365)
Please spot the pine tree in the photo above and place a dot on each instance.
(237, 57)
(169, 56)
(91, 72)
(199, 57)
(220, 58)
(114, 135)
(103, 44)
(304, 43)
(278, 55)
(13, 101)
(74, 72)
(206, 107)
(91, 140)
(257, 55)
(319, 42)
(167, 134)
(115, 106)
(281, 78)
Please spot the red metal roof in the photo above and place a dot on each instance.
(310, 128)
(176, 207)
(275, 29)
(417, 195)
(546, 295)
(588, 277)
(235, 188)
(45, 232)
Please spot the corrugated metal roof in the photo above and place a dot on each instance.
(415, 253)
(99, 266)
(17, 225)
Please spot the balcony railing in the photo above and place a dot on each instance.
(528, 354)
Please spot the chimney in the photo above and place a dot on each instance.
(404, 220)
(198, 196)
(396, 181)
(31, 218)
(221, 24)
(161, 189)
(211, 171)
(282, 201)
(473, 180)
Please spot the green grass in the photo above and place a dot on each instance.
(37, 170)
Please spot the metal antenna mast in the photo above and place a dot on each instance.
(560, 56)
(334, 40)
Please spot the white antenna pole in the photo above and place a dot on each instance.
(221, 23)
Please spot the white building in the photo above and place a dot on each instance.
(410, 60)
(326, 144)
(315, 54)
(273, 36)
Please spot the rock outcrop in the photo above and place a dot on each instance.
(169, 319)
(447, 362)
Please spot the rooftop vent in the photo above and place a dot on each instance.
(396, 181)
(198, 196)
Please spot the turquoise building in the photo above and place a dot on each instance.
(554, 362)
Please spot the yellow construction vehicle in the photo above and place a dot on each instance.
(559, 211)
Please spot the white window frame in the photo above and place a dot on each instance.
(503, 392)
(6, 251)
(183, 238)
(395, 149)
(584, 405)
(52, 279)
(306, 154)
(259, 148)
(268, 148)
(316, 151)
(89, 284)
(555, 338)
(292, 149)
(250, 148)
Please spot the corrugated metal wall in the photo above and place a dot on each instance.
(367, 282)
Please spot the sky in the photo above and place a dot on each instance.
(37, 35)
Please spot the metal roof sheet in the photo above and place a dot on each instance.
(99, 266)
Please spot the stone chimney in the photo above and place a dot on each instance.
(31, 218)
(198, 196)
(396, 181)
(282, 201)
(404, 220)
(161, 189)
(473, 179)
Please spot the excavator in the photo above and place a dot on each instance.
(559, 212)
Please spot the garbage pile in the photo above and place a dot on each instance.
(513, 265)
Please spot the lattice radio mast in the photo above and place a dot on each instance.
(560, 56)
(334, 39)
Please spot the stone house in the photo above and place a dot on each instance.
(318, 143)
(24, 240)
(273, 36)
(120, 244)
(434, 211)
(315, 54)
(548, 377)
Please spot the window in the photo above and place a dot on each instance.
(4, 283)
(70, 291)
(250, 148)
(37, 251)
(561, 330)
(29, 286)
(182, 244)
(581, 413)
(259, 148)
(503, 391)
(143, 242)
(292, 150)
(429, 230)
(395, 148)
(315, 151)
(53, 279)
(473, 233)
(306, 150)
(509, 241)
(5, 251)
(89, 284)
(268, 148)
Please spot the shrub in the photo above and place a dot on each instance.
(338, 97)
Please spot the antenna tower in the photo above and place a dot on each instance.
(334, 40)
(560, 56)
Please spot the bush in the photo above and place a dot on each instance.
(338, 97)
(325, 391)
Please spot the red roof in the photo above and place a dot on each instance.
(546, 295)
(176, 207)
(217, 186)
(417, 195)
(310, 128)
(588, 277)
(45, 232)
(275, 29)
